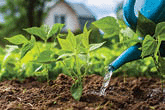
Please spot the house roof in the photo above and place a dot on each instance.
(79, 8)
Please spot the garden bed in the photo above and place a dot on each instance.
(133, 94)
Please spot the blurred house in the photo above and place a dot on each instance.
(73, 15)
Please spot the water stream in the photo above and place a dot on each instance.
(106, 81)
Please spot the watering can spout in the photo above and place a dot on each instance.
(132, 53)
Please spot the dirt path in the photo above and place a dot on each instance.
(135, 94)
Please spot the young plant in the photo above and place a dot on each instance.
(151, 47)
(154, 36)
(44, 32)
(76, 51)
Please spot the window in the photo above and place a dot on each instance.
(59, 19)
(62, 19)
(56, 19)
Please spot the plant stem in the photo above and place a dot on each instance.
(38, 48)
(87, 64)
(47, 72)
(124, 77)
(159, 72)
(162, 83)
(69, 70)
(77, 66)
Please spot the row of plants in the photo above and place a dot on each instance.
(75, 57)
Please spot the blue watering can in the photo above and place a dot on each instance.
(151, 9)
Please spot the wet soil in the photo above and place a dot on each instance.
(133, 94)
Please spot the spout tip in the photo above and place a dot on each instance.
(111, 68)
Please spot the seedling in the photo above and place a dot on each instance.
(151, 45)
(44, 32)
(76, 51)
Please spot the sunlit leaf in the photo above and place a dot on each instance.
(85, 38)
(18, 39)
(160, 31)
(55, 29)
(71, 39)
(65, 56)
(108, 25)
(38, 31)
(28, 46)
(149, 46)
(95, 46)
(79, 44)
(69, 43)
(83, 57)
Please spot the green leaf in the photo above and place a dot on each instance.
(55, 29)
(38, 31)
(76, 90)
(39, 68)
(28, 46)
(45, 57)
(80, 48)
(108, 25)
(145, 26)
(85, 38)
(46, 28)
(149, 46)
(71, 39)
(65, 56)
(95, 46)
(160, 31)
(69, 43)
(83, 57)
(158, 46)
(162, 65)
(18, 39)
(65, 45)
(127, 32)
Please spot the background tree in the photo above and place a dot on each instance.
(19, 14)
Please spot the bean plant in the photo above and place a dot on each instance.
(44, 56)
(154, 36)
(76, 49)
(74, 53)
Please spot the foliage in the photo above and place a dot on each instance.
(150, 46)
(108, 25)
(77, 56)
(33, 59)
(153, 35)
(77, 50)
(153, 45)
(40, 58)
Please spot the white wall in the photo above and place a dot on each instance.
(71, 20)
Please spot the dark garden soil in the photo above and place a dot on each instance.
(134, 94)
